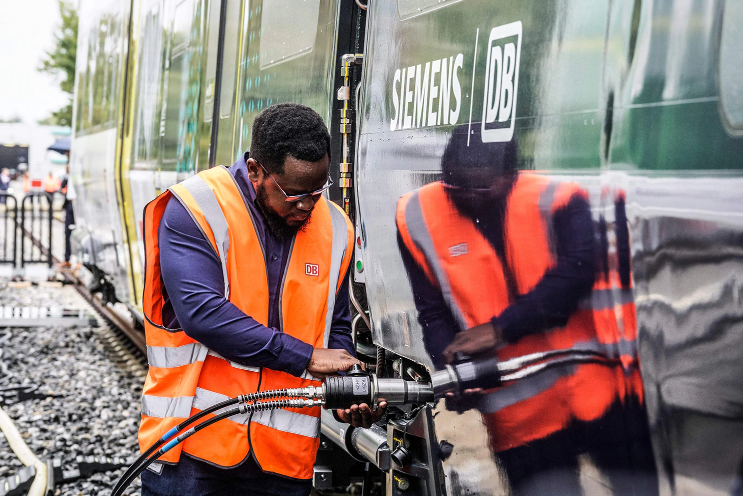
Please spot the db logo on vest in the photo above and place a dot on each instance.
(501, 83)
(312, 270)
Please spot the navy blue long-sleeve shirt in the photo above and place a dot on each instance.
(549, 304)
(195, 302)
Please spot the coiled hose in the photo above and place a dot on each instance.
(380, 361)
(248, 403)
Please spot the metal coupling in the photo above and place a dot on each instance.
(313, 392)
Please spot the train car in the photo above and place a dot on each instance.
(635, 104)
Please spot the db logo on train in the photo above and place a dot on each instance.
(501, 83)
(430, 93)
(312, 269)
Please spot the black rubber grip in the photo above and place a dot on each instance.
(342, 392)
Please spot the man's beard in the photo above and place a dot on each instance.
(276, 223)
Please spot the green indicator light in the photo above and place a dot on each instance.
(359, 266)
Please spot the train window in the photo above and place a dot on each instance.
(148, 87)
(731, 66)
(177, 87)
(229, 67)
(412, 8)
(211, 59)
(99, 81)
(288, 30)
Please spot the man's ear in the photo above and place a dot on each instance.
(254, 170)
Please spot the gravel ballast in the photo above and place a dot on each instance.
(97, 385)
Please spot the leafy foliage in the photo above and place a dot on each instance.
(59, 62)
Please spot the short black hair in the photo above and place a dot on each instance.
(463, 155)
(288, 129)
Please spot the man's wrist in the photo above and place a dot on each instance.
(296, 356)
(498, 334)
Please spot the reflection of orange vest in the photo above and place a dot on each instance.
(26, 184)
(185, 377)
(458, 259)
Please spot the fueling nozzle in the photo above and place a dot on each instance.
(358, 386)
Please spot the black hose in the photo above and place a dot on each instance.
(124, 482)
(143, 462)
(260, 395)
(172, 432)
(380, 361)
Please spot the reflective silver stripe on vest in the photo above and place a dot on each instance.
(234, 364)
(604, 299)
(168, 357)
(546, 199)
(338, 251)
(214, 216)
(422, 238)
(204, 398)
(286, 421)
(162, 407)
(308, 376)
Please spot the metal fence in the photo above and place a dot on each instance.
(37, 213)
(8, 229)
(27, 233)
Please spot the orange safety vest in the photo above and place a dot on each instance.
(185, 377)
(459, 260)
(51, 185)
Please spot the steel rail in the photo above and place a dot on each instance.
(112, 318)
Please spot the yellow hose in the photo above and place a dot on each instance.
(24, 454)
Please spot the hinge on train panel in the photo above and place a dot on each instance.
(346, 125)
(346, 171)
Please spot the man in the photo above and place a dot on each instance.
(4, 183)
(51, 183)
(69, 218)
(504, 263)
(246, 289)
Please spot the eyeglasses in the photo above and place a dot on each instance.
(453, 187)
(296, 198)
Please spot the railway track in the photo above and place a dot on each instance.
(114, 319)
(80, 422)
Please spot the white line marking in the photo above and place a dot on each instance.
(472, 91)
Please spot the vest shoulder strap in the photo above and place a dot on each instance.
(412, 218)
(198, 198)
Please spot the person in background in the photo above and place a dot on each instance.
(51, 183)
(69, 218)
(26, 183)
(506, 263)
(4, 183)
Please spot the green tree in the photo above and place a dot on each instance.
(60, 60)
(14, 119)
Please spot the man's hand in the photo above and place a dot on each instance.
(326, 362)
(478, 339)
(362, 415)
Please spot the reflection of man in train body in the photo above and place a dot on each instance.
(505, 262)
